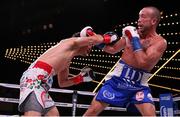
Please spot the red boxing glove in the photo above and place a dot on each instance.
(110, 37)
(130, 33)
(86, 75)
(87, 31)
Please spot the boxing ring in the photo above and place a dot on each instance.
(74, 105)
(76, 95)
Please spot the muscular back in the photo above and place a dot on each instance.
(60, 55)
(153, 49)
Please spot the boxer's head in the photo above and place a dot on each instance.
(149, 17)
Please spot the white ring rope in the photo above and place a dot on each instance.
(62, 104)
(7, 85)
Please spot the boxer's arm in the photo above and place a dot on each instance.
(86, 41)
(153, 53)
(108, 38)
(86, 75)
(117, 47)
(63, 80)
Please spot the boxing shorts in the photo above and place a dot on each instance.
(38, 78)
(125, 85)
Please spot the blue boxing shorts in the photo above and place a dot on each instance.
(125, 85)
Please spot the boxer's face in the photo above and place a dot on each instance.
(145, 19)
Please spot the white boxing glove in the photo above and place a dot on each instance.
(87, 31)
(110, 37)
(130, 31)
(86, 75)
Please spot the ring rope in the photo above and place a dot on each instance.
(7, 85)
(62, 104)
(164, 64)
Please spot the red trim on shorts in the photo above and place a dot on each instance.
(43, 65)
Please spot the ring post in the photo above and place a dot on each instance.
(74, 102)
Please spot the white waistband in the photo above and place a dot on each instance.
(124, 71)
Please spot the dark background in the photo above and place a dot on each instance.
(29, 27)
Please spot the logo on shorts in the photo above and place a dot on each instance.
(108, 95)
(139, 95)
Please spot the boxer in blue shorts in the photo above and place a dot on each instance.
(127, 83)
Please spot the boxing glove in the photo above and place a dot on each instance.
(86, 75)
(87, 31)
(110, 37)
(130, 33)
